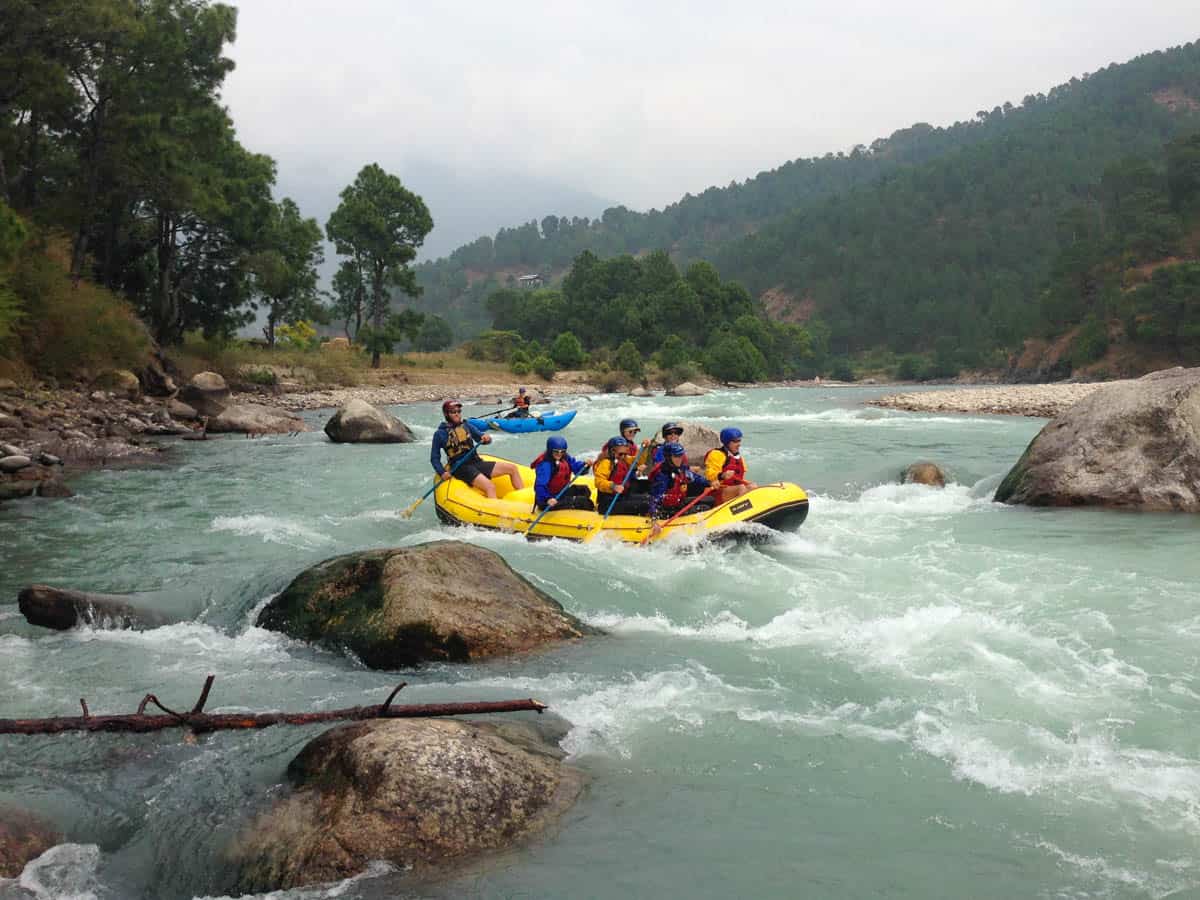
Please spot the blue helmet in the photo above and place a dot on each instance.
(618, 441)
(556, 443)
(672, 448)
(520, 390)
(730, 434)
(672, 426)
(627, 424)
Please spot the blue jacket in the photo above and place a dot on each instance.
(441, 436)
(660, 483)
(543, 472)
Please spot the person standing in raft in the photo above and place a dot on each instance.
(611, 470)
(553, 471)
(671, 483)
(725, 467)
(520, 405)
(457, 437)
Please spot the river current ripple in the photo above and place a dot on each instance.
(919, 693)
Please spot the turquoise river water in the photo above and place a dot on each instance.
(919, 693)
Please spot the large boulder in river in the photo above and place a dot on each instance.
(1132, 444)
(207, 393)
(443, 600)
(418, 793)
(254, 418)
(61, 609)
(687, 389)
(926, 473)
(697, 440)
(358, 422)
(23, 837)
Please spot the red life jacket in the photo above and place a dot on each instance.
(676, 493)
(620, 469)
(560, 475)
(734, 464)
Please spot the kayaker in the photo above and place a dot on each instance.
(724, 466)
(611, 470)
(672, 483)
(520, 404)
(553, 471)
(457, 437)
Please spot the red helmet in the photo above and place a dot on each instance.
(447, 405)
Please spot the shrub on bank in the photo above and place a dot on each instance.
(68, 328)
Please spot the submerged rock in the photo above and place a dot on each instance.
(253, 418)
(924, 473)
(419, 793)
(1132, 444)
(443, 600)
(358, 422)
(61, 609)
(23, 837)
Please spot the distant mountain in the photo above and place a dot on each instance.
(931, 232)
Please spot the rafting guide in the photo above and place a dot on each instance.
(457, 438)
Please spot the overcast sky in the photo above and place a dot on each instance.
(637, 103)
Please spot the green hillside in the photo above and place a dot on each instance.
(933, 233)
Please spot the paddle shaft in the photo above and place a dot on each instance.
(701, 496)
(533, 524)
(624, 482)
(437, 480)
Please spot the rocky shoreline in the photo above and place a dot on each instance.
(486, 393)
(1044, 401)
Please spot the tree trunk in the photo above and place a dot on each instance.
(165, 312)
(199, 721)
(376, 310)
(269, 329)
(92, 165)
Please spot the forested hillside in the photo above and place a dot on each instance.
(960, 248)
(1125, 286)
(934, 233)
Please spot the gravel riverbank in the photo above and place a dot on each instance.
(1040, 400)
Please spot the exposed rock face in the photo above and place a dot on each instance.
(924, 473)
(443, 600)
(23, 836)
(358, 422)
(640, 391)
(156, 380)
(181, 410)
(207, 393)
(419, 793)
(252, 418)
(1133, 444)
(61, 609)
(687, 389)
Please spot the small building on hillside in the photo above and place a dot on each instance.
(530, 281)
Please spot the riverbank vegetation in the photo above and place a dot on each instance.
(130, 213)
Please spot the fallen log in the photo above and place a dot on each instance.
(199, 721)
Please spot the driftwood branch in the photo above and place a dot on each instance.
(199, 721)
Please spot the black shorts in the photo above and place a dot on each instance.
(472, 469)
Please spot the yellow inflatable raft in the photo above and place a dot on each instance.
(778, 506)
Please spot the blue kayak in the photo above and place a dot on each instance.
(551, 421)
